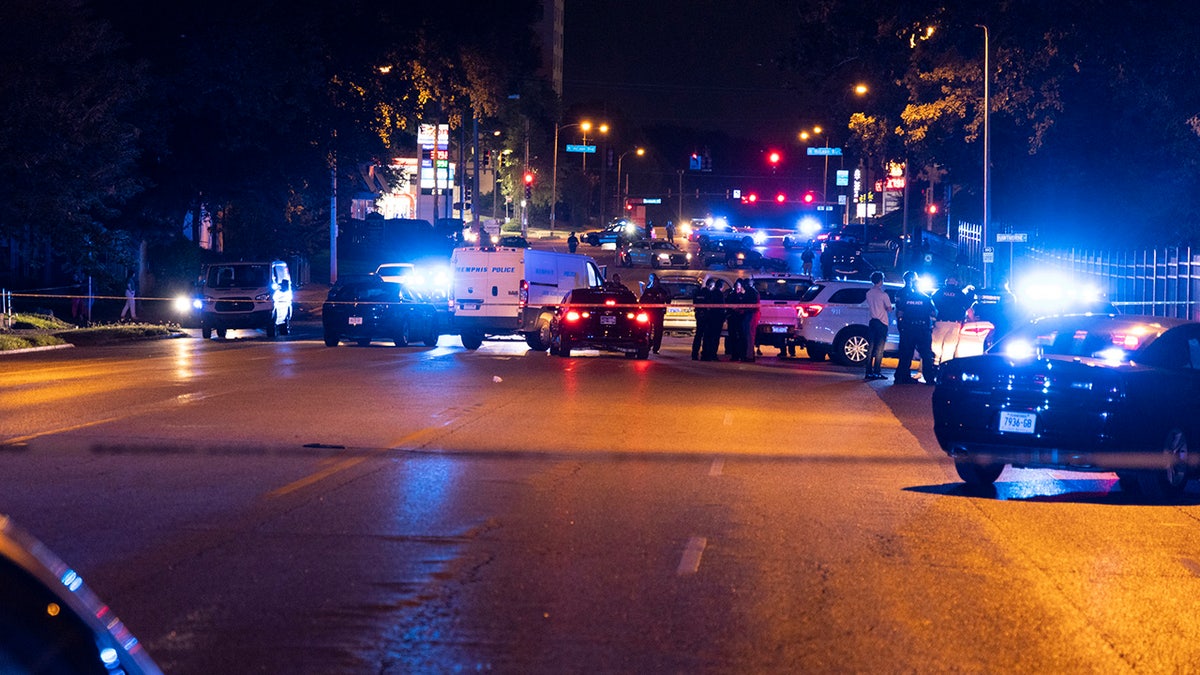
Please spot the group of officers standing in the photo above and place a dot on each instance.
(928, 326)
(720, 306)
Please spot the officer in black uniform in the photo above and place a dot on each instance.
(914, 317)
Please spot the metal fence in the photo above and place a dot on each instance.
(1158, 282)
(1153, 281)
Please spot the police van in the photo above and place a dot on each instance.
(499, 291)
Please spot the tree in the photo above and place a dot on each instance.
(68, 148)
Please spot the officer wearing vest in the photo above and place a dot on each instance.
(952, 304)
(914, 318)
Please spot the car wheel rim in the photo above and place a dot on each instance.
(856, 349)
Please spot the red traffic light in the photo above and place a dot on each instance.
(528, 179)
(752, 197)
(774, 157)
(809, 197)
(932, 209)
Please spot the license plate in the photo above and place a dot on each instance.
(356, 321)
(676, 310)
(1017, 422)
(608, 321)
(779, 329)
(464, 307)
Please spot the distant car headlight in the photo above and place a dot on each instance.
(183, 304)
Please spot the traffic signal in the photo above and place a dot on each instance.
(809, 197)
(487, 159)
(931, 209)
(528, 185)
(774, 157)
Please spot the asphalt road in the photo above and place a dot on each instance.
(283, 507)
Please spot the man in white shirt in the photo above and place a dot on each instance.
(880, 305)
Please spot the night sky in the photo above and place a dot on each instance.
(708, 65)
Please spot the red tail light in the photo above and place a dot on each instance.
(572, 315)
(975, 328)
(523, 295)
(643, 317)
(610, 302)
(809, 310)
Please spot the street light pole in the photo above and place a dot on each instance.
(620, 201)
(986, 149)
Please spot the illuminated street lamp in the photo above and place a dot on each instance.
(639, 152)
(818, 131)
(586, 126)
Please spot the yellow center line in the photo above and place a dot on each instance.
(344, 464)
(21, 439)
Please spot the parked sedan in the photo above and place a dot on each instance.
(1081, 393)
(607, 318)
(616, 233)
(681, 311)
(733, 255)
(655, 253)
(366, 308)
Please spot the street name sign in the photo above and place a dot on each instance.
(824, 152)
(1012, 237)
(581, 148)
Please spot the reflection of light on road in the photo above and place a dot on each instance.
(184, 353)
(1031, 484)
(425, 488)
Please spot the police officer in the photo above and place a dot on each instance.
(914, 317)
(654, 300)
(952, 304)
(701, 298)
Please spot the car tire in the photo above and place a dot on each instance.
(1169, 482)
(643, 353)
(471, 340)
(978, 474)
(815, 353)
(401, 338)
(850, 347)
(363, 342)
(206, 332)
(564, 347)
(431, 337)
(331, 340)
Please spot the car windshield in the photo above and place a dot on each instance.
(365, 291)
(237, 276)
(681, 290)
(782, 289)
(599, 296)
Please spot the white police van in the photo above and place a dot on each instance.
(497, 291)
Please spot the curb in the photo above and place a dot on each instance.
(28, 350)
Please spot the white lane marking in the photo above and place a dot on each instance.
(717, 467)
(690, 562)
